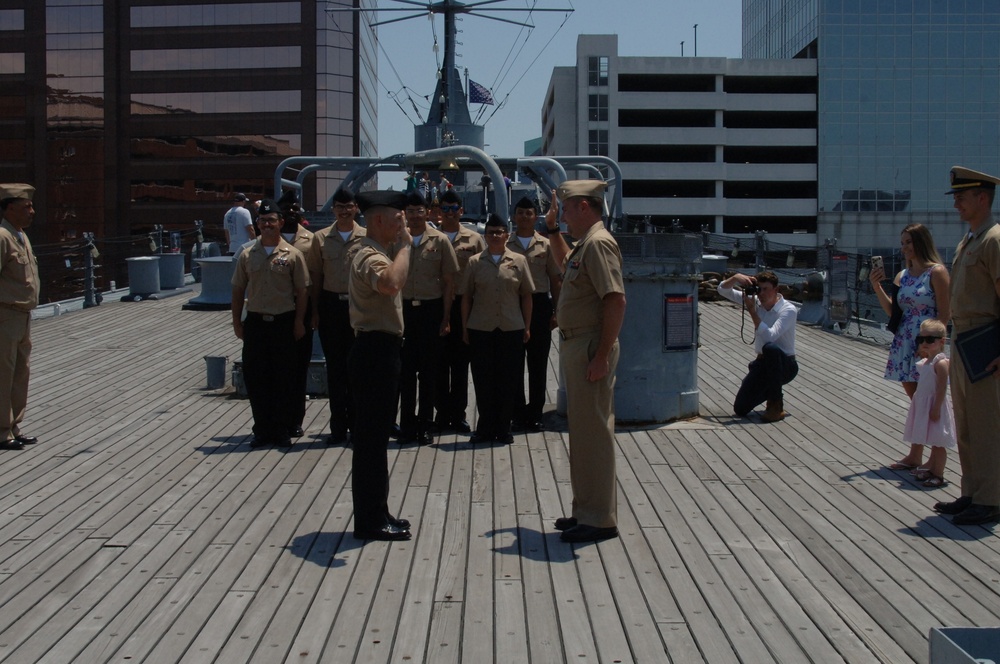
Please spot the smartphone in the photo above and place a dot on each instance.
(877, 263)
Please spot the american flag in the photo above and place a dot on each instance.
(479, 94)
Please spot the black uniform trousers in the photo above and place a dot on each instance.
(536, 353)
(336, 336)
(453, 374)
(373, 366)
(268, 353)
(772, 369)
(497, 370)
(421, 359)
(303, 356)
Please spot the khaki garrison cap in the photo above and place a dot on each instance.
(17, 190)
(382, 198)
(588, 188)
(964, 178)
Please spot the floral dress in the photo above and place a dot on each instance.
(916, 298)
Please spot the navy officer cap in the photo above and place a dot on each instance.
(965, 178)
(381, 198)
(267, 206)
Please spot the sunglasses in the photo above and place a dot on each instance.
(926, 340)
(450, 208)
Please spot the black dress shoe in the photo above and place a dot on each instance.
(480, 438)
(518, 425)
(505, 439)
(285, 441)
(565, 523)
(461, 426)
(11, 445)
(976, 514)
(297, 432)
(584, 533)
(954, 507)
(387, 533)
(257, 442)
(423, 438)
(394, 431)
(406, 436)
(26, 440)
(337, 438)
(533, 427)
(399, 523)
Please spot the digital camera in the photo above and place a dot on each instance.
(751, 289)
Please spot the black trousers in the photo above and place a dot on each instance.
(268, 361)
(336, 336)
(497, 361)
(453, 373)
(421, 360)
(772, 369)
(373, 366)
(303, 356)
(536, 354)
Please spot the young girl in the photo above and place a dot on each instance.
(930, 420)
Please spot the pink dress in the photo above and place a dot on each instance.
(919, 427)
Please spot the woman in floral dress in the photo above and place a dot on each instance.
(923, 293)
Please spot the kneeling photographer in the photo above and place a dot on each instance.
(774, 340)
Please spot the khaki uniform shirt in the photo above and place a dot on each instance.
(18, 270)
(372, 311)
(974, 273)
(330, 257)
(466, 244)
(302, 240)
(541, 261)
(496, 291)
(592, 270)
(271, 281)
(430, 260)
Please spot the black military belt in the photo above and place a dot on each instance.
(270, 318)
(331, 295)
(376, 335)
(419, 303)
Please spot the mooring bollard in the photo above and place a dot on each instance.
(215, 367)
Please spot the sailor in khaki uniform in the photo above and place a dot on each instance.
(496, 319)
(18, 296)
(427, 301)
(589, 313)
(375, 287)
(329, 266)
(453, 379)
(297, 236)
(273, 277)
(975, 301)
(547, 276)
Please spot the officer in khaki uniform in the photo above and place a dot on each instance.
(18, 296)
(496, 321)
(427, 301)
(546, 274)
(453, 378)
(975, 301)
(589, 313)
(273, 277)
(330, 259)
(297, 236)
(376, 282)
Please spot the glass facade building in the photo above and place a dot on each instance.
(906, 90)
(127, 114)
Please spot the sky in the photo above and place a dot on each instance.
(489, 48)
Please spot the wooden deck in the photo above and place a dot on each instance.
(143, 528)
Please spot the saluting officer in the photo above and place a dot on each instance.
(273, 277)
(453, 379)
(427, 301)
(374, 362)
(496, 320)
(297, 236)
(547, 277)
(590, 312)
(333, 248)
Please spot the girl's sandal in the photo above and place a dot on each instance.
(933, 482)
(923, 475)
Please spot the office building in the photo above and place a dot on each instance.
(126, 114)
(728, 145)
(906, 90)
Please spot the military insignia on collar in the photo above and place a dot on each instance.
(574, 265)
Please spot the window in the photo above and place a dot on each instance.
(598, 108)
(598, 142)
(597, 70)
